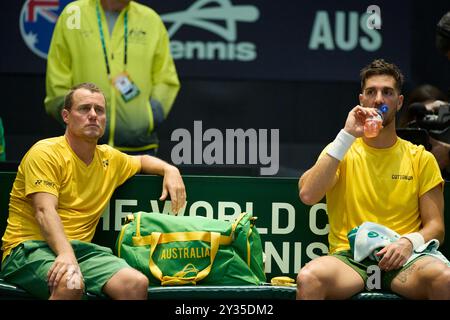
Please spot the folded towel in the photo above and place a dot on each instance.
(430, 248)
(369, 238)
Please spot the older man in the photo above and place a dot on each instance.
(62, 187)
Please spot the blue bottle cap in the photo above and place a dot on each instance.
(384, 108)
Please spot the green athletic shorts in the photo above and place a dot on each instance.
(28, 263)
(361, 267)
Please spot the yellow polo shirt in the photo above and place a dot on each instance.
(83, 191)
(382, 186)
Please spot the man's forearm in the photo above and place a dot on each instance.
(433, 230)
(153, 165)
(431, 206)
(52, 230)
(318, 180)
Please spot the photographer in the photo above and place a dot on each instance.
(426, 94)
(428, 110)
(427, 118)
(443, 35)
(443, 45)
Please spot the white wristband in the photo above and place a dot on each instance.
(416, 239)
(340, 145)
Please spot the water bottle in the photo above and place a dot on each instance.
(373, 124)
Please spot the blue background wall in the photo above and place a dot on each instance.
(271, 75)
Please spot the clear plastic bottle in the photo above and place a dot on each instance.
(373, 124)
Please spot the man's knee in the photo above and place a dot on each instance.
(324, 270)
(441, 279)
(310, 284)
(427, 278)
(136, 286)
(72, 289)
(431, 270)
(140, 283)
(128, 283)
(308, 274)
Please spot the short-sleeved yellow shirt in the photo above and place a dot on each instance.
(83, 191)
(382, 186)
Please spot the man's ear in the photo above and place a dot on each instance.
(65, 115)
(400, 102)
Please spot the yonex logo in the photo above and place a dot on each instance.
(200, 16)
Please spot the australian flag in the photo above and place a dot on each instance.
(37, 21)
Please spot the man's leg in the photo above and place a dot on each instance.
(27, 267)
(105, 273)
(328, 278)
(66, 290)
(127, 284)
(426, 278)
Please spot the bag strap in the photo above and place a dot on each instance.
(153, 267)
(249, 248)
(236, 222)
(233, 229)
(180, 236)
(179, 279)
(122, 232)
(139, 240)
(138, 225)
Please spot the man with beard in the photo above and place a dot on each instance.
(381, 179)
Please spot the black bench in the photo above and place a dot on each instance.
(11, 292)
(260, 191)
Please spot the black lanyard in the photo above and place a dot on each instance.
(102, 39)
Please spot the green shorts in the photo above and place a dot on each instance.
(28, 263)
(361, 267)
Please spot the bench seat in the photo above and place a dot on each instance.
(267, 292)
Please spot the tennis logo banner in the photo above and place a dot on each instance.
(222, 20)
(245, 39)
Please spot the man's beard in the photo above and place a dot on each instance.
(389, 120)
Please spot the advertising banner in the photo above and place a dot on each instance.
(248, 39)
(292, 233)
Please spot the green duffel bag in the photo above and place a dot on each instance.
(182, 250)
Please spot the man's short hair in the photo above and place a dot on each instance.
(443, 34)
(68, 99)
(381, 67)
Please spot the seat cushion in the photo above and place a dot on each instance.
(9, 291)
(376, 296)
(222, 292)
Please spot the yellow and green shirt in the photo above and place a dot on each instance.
(382, 186)
(76, 56)
(83, 191)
